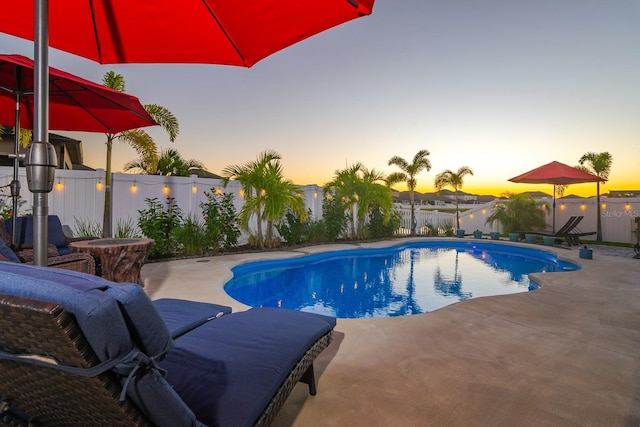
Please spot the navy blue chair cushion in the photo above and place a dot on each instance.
(55, 234)
(117, 320)
(246, 356)
(6, 252)
(181, 316)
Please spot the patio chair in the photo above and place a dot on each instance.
(79, 350)
(563, 232)
(83, 263)
(55, 234)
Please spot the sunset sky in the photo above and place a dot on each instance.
(501, 86)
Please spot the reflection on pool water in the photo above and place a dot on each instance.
(396, 281)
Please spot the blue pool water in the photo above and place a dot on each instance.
(396, 281)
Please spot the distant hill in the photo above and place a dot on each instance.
(445, 196)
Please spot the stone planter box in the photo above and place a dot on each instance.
(530, 238)
(495, 235)
(477, 234)
(514, 237)
(548, 240)
(460, 233)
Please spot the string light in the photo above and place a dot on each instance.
(99, 185)
(583, 207)
(194, 188)
(59, 185)
(165, 190)
(134, 187)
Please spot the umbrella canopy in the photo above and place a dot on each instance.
(227, 32)
(75, 104)
(555, 173)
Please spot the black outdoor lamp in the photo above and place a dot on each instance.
(40, 162)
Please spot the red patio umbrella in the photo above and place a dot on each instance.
(75, 104)
(555, 173)
(227, 32)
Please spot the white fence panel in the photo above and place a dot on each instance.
(80, 195)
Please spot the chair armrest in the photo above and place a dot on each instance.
(81, 262)
(25, 253)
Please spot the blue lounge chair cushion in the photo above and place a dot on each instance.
(55, 234)
(181, 316)
(6, 252)
(247, 355)
(119, 322)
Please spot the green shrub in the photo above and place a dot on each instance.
(334, 218)
(86, 229)
(191, 237)
(379, 226)
(220, 220)
(159, 223)
(126, 228)
(292, 229)
(520, 213)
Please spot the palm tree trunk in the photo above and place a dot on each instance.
(413, 213)
(457, 212)
(599, 227)
(106, 216)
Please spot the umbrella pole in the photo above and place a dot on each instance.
(41, 125)
(554, 209)
(15, 184)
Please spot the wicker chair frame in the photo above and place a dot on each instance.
(54, 397)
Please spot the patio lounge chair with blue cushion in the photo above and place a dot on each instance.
(83, 263)
(55, 234)
(78, 350)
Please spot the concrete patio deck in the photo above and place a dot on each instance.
(567, 354)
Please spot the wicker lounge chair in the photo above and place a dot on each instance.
(83, 263)
(78, 350)
(55, 234)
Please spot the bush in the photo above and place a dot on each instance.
(159, 223)
(292, 229)
(126, 229)
(86, 229)
(334, 218)
(220, 220)
(379, 226)
(520, 213)
(191, 237)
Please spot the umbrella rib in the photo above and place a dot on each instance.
(224, 31)
(95, 30)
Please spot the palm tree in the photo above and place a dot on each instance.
(267, 194)
(371, 193)
(598, 164)
(140, 140)
(357, 186)
(170, 163)
(408, 175)
(449, 178)
(344, 187)
(519, 212)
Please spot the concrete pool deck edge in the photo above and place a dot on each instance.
(566, 354)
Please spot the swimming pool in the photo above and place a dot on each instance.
(396, 281)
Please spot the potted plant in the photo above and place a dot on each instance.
(494, 235)
(477, 234)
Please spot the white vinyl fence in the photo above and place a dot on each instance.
(80, 195)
